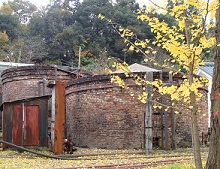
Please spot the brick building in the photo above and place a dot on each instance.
(99, 113)
(4, 66)
(30, 81)
(26, 103)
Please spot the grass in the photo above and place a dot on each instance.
(180, 166)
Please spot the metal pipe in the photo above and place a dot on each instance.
(43, 81)
(79, 58)
(38, 84)
(55, 71)
(53, 109)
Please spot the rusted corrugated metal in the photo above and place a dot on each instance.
(31, 134)
(17, 122)
(25, 122)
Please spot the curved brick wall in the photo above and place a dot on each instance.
(102, 115)
(22, 82)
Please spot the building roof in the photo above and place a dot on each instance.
(208, 68)
(137, 68)
(10, 64)
(6, 65)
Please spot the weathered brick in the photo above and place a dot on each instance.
(22, 82)
(101, 114)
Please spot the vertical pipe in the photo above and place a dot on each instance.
(79, 58)
(44, 88)
(78, 69)
(53, 117)
(55, 72)
(38, 85)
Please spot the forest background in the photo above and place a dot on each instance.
(53, 34)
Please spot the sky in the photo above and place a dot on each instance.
(45, 2)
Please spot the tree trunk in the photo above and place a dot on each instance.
(194, 121)
(195, 134)
(213, 161)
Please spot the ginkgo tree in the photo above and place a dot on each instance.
(184, 42)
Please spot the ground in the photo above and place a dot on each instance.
(99, 158)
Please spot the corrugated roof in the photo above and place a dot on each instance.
(208, 68)
(136, 68)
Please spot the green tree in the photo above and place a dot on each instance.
(23, 8)
(10, 24)
(66, 25)
(9, 29)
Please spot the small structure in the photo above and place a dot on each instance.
(29, 81)
(25, 103)
(25, 122)
(4, 66)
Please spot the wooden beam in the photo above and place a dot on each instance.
(166, 124)
(173, 143)
(161, 114)
(59, 117)
(148, 116)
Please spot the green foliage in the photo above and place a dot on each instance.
(9, 30)
(55, 32)
(23, 8)
(10, 24)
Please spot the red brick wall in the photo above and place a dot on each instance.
(183, 125)
(100, 114)
(22, 82)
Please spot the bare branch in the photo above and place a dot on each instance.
(156, 5)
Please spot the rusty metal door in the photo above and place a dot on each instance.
(31, 127)
(17, 123)
(25, 125)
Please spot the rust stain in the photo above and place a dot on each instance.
(59, 117)
(17, 122)
(32, 132)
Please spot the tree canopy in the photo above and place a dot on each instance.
(53, 34)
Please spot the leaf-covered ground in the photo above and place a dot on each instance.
(13, 159)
